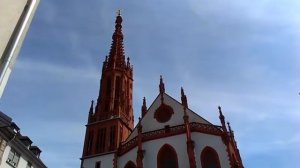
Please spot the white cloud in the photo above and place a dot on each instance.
(62, 72)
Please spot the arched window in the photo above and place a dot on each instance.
(130, 164)
(167, 157)
(210, 158)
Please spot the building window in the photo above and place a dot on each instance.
(167, 157)
(13, 158)
(210, 158)
(29, 165)
(98, 141)
(98, 164)
(117, 87)
(130, 164)
(121, 133)
(90, 142)
(127, 87)
(163, 113)
(108, 86)
(102, 139)
(112, 137)
(106, 108)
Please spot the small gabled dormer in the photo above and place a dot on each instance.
(35, 150)
(26, 141)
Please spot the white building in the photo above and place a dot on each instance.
(16, 151)
(15, 18)
(168, 134)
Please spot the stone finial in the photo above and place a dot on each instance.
(183, 98)
(161, 85)
(144, 107)
(220, 113)
(92, 106)
(118, 12)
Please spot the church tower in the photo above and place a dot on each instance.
(111, 120)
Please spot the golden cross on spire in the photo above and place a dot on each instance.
(118, 12)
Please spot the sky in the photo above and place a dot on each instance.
(241, 55)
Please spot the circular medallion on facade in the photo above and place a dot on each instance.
(163, 113)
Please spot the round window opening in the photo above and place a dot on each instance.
(163, 113)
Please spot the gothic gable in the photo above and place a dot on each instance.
(168, 112)
(164, 112)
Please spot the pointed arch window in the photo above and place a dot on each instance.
(130, 164)
(108, 86)
(167, 157)
(210, 158)
(90, 142)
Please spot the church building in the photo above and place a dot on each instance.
(168, 134)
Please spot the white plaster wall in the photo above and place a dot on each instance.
(106, 161)
(203, 140)
(4, 157)
(12, 10)
(131, 155)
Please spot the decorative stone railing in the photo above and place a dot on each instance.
(170, 131)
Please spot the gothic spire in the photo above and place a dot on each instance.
(116, 58)
(114, 102)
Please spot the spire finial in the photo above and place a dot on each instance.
(230, 130)
(183, 98)
(144, 101)
(118, 12)
(128, 62)
(161, 85)
(229, 127)
(91, 112)
(220, 111)
(144, 107)
(118, 18)
(92, 106)
(116, 56)
(222, 119)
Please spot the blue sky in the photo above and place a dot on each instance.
(242, 55)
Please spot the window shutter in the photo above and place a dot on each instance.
(16, 158)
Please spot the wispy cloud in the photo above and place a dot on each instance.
(63, 72)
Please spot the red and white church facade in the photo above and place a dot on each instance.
(168, 133)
